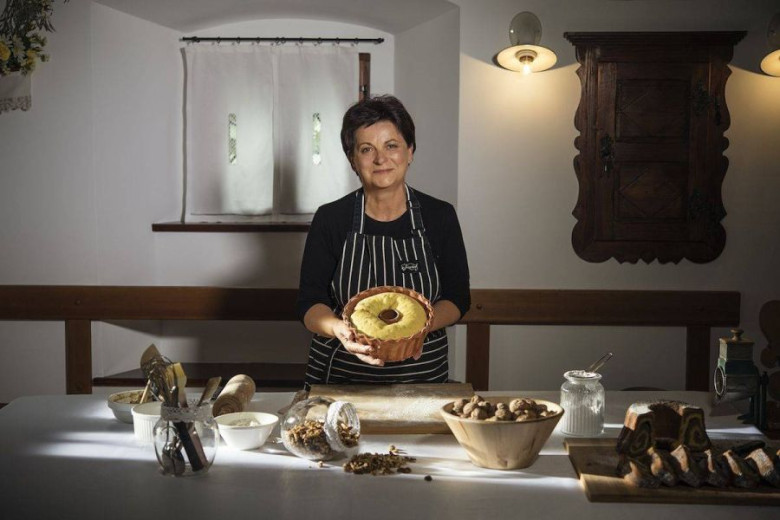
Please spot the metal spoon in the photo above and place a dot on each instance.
(600, 363)
(178, 460)
(172, 459)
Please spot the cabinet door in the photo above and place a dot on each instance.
(650, 165)
(648, 135)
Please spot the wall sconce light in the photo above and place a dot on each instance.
(525, 55)
(771, 63)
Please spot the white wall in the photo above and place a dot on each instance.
(47, 203)
(98, 159)
(518, 134)
(426, 80)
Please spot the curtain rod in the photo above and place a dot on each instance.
(279, 40)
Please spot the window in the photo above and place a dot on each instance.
(262, 129)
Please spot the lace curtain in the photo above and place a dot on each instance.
(262, 128)
(15, 92)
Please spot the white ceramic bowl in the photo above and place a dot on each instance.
(122, 402)
(145, 416)
(238, 434)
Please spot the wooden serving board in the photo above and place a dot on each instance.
(595, 461)
(398, 409)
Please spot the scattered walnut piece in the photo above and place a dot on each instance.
(379, 463)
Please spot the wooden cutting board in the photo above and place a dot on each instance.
(595, 461)
(398, 409)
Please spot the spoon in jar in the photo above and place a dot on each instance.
(600, 363)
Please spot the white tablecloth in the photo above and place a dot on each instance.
(67, 457)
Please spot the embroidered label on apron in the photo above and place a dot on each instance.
(410, 267)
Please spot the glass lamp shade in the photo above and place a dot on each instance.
(536, 58)
(771, 63)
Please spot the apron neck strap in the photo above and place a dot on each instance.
(359, 212)
(414, 210)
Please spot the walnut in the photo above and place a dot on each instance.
(503, 414)
(487, 406)
(479, 413)
(523, 409)
(515, 404)
(459, 404)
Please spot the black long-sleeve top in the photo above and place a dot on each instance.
(332, 224)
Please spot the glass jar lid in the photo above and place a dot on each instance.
(582, 376)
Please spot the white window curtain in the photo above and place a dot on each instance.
(225, 80)
(281, 154)
(316, 85)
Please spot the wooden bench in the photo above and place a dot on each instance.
(79, 306)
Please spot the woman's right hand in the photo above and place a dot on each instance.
(362, 352)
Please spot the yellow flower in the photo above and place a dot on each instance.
(32, 56)
(5, 52)
(18, 48)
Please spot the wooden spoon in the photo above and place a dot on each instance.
(181, 383)
(208, 391)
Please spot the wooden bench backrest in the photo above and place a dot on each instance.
(78, 306)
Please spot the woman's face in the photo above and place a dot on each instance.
(381, 156)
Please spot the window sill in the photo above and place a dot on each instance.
(232, 227)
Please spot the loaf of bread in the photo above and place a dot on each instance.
(742, 475)
(766, 464)
(714, 468)
(662, 468)
(667, 424)
(686, 467)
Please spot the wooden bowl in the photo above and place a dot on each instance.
(390, 349)
(503, 444)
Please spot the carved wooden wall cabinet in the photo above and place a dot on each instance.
(650, 165)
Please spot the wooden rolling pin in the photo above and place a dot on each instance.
(236, 395)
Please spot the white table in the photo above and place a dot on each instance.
(67, 457)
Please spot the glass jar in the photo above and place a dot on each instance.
(582, 398)
(186, 439)
(321, 429)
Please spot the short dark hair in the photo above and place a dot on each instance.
(372, 110)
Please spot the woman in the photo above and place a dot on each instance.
(385, 233)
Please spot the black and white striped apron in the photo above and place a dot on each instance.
(370, 261)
